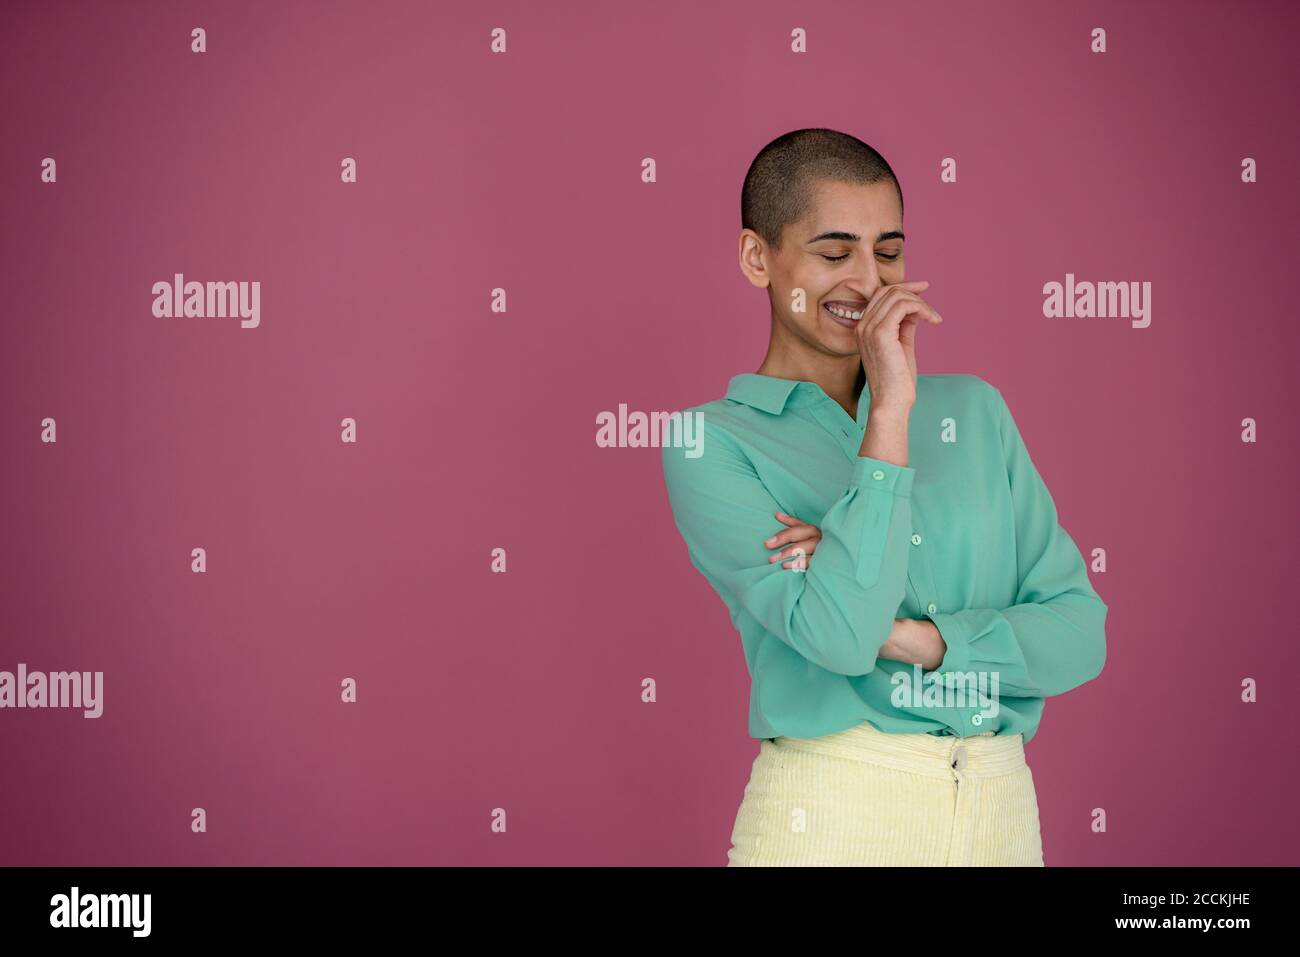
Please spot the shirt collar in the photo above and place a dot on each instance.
(764, 392)
(773, 395)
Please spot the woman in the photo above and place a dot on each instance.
(901, 648)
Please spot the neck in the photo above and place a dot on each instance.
(840, 377)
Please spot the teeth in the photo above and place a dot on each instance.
(845, 313)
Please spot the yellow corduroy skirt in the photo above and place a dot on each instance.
(862, 797)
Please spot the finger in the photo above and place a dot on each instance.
(915, 309)
(904, 305)
(886, 295)
(805, 547)
(887, 298)
(882, 300)
(915, 285)
(788, 536)
(792, 551)
(793, 535)
(896, 288)
(799, 559)
(810, 531)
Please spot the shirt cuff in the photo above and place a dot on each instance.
(971, 719)
(886, 476)
(957, 638)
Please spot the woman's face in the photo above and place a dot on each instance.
(840, 255)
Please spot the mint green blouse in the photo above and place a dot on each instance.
(967, 536)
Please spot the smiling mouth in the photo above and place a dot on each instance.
(847, 314)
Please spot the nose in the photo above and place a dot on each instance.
(866, 282)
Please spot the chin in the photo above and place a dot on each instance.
(839, 340)
(838, 347)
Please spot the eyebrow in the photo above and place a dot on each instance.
(854, 237)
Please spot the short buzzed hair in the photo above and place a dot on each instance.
(778, 186)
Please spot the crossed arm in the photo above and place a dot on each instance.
(1050, 640)
(839, 612)
(911, 641)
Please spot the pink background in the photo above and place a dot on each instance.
(476, 430)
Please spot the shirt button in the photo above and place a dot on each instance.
(959, 759)
(916, 539)
(877, 475)
(932, 608)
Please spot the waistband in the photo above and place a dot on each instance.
(986, 754)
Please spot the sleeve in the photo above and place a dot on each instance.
(1053, 638)
(840, 609)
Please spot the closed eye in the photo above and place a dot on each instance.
(836, 259)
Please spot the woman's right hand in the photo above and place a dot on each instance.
(887, 341)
